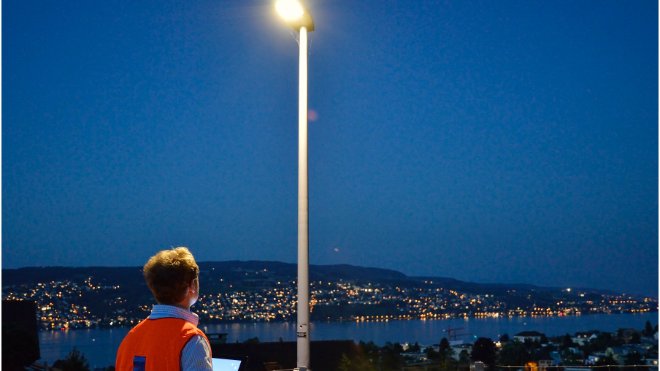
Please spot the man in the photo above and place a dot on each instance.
(168, 340)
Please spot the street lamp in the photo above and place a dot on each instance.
(296, 16)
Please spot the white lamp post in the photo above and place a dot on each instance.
(295, 15)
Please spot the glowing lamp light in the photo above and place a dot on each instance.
(290, 10)
(294, 13)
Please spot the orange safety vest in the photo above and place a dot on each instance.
(155, 345)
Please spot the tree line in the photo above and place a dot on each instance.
(511, 353)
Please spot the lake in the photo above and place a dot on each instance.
(100, 345)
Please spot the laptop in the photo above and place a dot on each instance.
(225, 364)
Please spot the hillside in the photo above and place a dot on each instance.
(266, 291)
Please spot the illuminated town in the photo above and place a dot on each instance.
(91, 302)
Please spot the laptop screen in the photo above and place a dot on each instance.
(223, 364)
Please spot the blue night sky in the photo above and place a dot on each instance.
(489, 141)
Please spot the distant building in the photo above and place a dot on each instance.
(620, 353)
(555, 359)
(415, 357)
(582, 338)
(533, 336)
(477, 366)
(457, 349)
(594, 358)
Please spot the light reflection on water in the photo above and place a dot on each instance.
(100, 345)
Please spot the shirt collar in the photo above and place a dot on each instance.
(169, 311)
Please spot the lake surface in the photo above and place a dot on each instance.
(100, 345)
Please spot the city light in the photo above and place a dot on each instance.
(67, 304)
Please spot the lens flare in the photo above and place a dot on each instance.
(312, 115)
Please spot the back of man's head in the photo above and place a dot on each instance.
(169, 273)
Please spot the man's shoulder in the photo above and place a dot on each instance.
(168, 325)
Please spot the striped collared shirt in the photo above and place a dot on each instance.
(196, 355)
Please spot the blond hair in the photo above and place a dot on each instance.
(169, 273)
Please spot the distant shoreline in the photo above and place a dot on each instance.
(340, 321)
